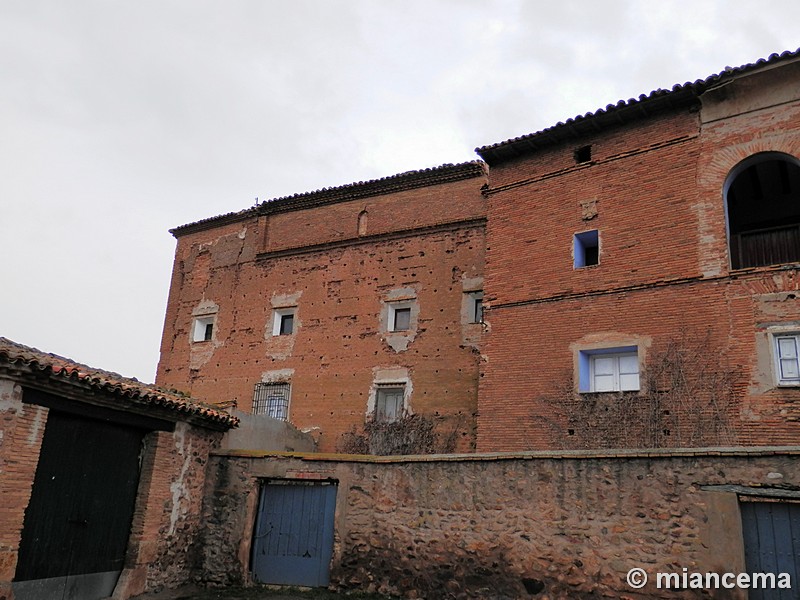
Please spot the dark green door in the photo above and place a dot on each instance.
(79, 516)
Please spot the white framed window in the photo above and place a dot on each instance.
(476, 307)
(400, 316)
(272, 399)
(389, 403)
(609, 370)
(203, 329)
(283, 321)
(787, 358)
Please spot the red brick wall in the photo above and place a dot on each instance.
(22, 427)
(338, 342)
(664, 275)
(167, 519)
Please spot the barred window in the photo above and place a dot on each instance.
(272, 399)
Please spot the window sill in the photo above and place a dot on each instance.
(615, 393)
(765, 268)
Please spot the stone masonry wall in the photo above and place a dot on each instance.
(535, 525)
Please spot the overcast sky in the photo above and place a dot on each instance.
(120, 120)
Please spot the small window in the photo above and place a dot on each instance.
(283, 321)
(586, 249)
(787, 359)
(203, 329)
(272, 399)
(401, 318)
(609, 370)
(476, 307)
(389, 403)
(582, 154)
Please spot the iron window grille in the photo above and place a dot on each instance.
(272, 399)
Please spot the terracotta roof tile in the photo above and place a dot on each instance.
(360, 189)
(688, 91)
(64, 369)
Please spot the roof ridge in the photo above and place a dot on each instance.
(371, 187)
(695, 87)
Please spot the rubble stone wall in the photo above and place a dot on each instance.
(532, 525)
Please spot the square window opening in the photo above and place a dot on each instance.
(787, 359)
(272, 399)
(401, 319)
(283, 321)
(389, 403)
(203, 330)
(582, 154)
(609, 370)
(586, 249)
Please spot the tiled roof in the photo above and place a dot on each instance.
(351, 191)
(622, 111)
(62, 371)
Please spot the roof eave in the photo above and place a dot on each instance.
(352, 191)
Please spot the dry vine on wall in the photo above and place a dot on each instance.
(687, 399)
(409, 434)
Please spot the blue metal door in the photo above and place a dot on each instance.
(293, 539)
(771, 532)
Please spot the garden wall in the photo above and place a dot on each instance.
(532, 525)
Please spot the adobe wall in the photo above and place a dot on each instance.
(569, 525)
(426, 244)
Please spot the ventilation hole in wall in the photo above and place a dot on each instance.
(582, 154)
(570, 432)
(533, 586)
(666, 432)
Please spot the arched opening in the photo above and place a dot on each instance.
(762, 197)
(362, 223)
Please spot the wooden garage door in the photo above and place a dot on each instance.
(78, 519)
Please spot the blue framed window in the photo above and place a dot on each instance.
(586, 249)
(609, 369)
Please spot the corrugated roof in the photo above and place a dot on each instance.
(60, 370)
(361, 189)
(623, 110)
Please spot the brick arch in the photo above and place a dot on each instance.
(752, 159)
(726, 159)
(761, 196)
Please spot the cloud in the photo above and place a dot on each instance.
(121, 120)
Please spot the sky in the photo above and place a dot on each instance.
(122, 119)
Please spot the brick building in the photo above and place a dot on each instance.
(324, 307)
(642, 271)
(101, 479)
(640, 276)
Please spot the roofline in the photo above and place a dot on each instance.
(409, 180)
(680, 96)
(61, 376)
